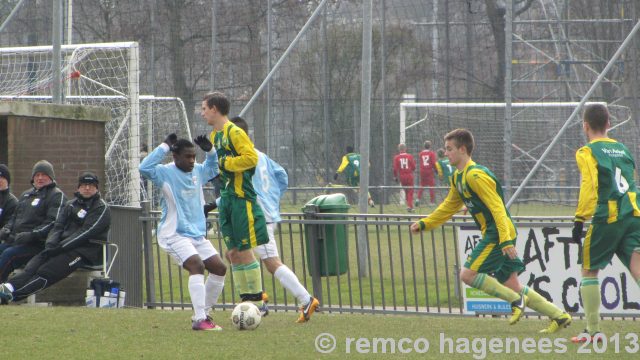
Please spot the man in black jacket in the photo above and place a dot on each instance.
(34, 217)
(8, 201)
(68, 246)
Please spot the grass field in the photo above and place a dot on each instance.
(81, 333)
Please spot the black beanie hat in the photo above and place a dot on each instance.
(43, 166)
(4, 172)
(88, 178)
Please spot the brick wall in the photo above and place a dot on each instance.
(72, 146)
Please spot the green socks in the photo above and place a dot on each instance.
(590, 291)
(538, 303)
(492, 287)
(248, 280)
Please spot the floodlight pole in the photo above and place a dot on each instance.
(584, 99)
(275, 68)
(508, 74)
(365, 133)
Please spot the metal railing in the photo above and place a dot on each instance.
(405, 273)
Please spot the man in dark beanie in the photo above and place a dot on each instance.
(8, 201)
(68, 246)
(38, 208)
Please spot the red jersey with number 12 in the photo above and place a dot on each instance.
(427, 160)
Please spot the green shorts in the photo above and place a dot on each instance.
(242, 223)
(603, 240)
(487, 258)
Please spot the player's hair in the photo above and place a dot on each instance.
(241, 123)
(462, 137)
(219, 100)
(402, 147)
(440, 152)
(180, 145)
(349, 149)
(597, 116)
(427, 144)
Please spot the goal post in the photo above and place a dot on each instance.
(101, 74)
(533, 126)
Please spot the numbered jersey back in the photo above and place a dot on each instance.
(616, 184)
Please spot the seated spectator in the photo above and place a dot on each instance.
(68, 246)
(34, 216)
(8, 201)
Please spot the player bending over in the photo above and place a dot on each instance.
(476, 187)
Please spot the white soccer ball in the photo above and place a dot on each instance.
(246, 316)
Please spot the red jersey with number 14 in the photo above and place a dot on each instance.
(403, 164)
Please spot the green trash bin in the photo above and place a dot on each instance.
(333, 238)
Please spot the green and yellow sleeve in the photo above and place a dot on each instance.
(485, 187)
(439, 169)
(247, 157)
(343, 165)
(588, 198)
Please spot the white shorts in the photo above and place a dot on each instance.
(269, 249)
(181, 248)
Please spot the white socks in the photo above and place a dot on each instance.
(197, 291)
(290, 281)
(213, 288)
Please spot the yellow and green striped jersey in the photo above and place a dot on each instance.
(607, 190)
(237, 159)
(480, 191)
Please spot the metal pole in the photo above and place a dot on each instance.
(212, 58)
(56, 40)
(69, 22)
(447, 44)
(269, 99)
(149, 274)
(11, 15)
(383, 74)
(303, 31)
(325, 97)
(584, 99)
(152, 60)
(434, 50)
(508, 39)
(365, 121)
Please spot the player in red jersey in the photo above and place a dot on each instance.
(427, 159)
(403, 167)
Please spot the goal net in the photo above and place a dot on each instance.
(92, 74)
(533, 126)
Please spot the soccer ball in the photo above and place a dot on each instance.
(246, 316)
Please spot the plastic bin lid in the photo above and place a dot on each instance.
(330, 202)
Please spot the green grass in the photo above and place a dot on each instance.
(81, 333)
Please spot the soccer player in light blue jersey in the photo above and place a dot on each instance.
(182, 229)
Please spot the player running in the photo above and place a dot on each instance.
(477, 187)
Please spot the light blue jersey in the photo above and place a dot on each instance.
(270, 182)
(183, 198)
